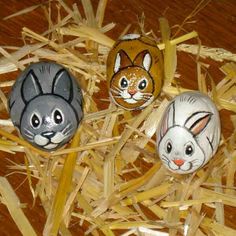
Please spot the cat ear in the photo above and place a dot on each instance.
(122, 60)
(168, 120)
(30, 87)
(197, 122)
(144, 60)
(62, 85)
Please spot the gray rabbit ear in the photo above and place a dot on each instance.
(62, 85)
(30, 87)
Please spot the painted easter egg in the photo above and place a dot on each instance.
(45, 104)
(189, 133)
(134, 72)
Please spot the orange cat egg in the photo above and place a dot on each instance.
(134, 72)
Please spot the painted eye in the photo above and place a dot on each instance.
(142, 84)
(189, 149)
(168, 146)
(124, 82)
(58, 117)
(35, 121)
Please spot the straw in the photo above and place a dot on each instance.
(110, 178)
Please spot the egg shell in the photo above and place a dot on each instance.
(134, 58)
(45, 104)
(189, 133)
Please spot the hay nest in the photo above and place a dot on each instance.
(110, 175)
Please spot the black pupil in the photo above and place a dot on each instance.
(35, 121)
(189, 150)
(168, 147)
(142, 84)
(124, 83)
(57, 117)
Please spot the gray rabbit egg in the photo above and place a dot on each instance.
(45, 104)
(189, 133)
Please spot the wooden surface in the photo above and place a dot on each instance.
(215, 25)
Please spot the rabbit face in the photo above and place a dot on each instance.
(180, 154)
(48, 122)
(132, 87)
(46, 105)
(188, 134)
(134, 71)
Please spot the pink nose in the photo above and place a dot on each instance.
(132, 91)
(178, 162)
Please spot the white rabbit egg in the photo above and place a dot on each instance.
(189, 133)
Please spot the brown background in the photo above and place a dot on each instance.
(216, 25)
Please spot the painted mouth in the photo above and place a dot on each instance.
(135, 100)
(130, 100)
(51, 145)
(180, 164)
(50, 142)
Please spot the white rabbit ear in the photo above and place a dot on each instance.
(62, 85)
(117, 63)
(122, 60)
(30, 87)
(147, 61)
(144, 60)
(168, 120)
(197, 122)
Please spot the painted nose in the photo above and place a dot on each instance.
(132, 91)
(178, 162)
(48, 134)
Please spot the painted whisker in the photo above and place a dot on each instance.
(117, 96)
(28, 132)
(148, 94)
(146, 98)
(115, 91)
(28, 136)
(194, 161)
(68, 131)
(68, 127)
(114, 88)
(165, 159)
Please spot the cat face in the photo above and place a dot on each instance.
(48, 122)
(181, 155)
(132, 86)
